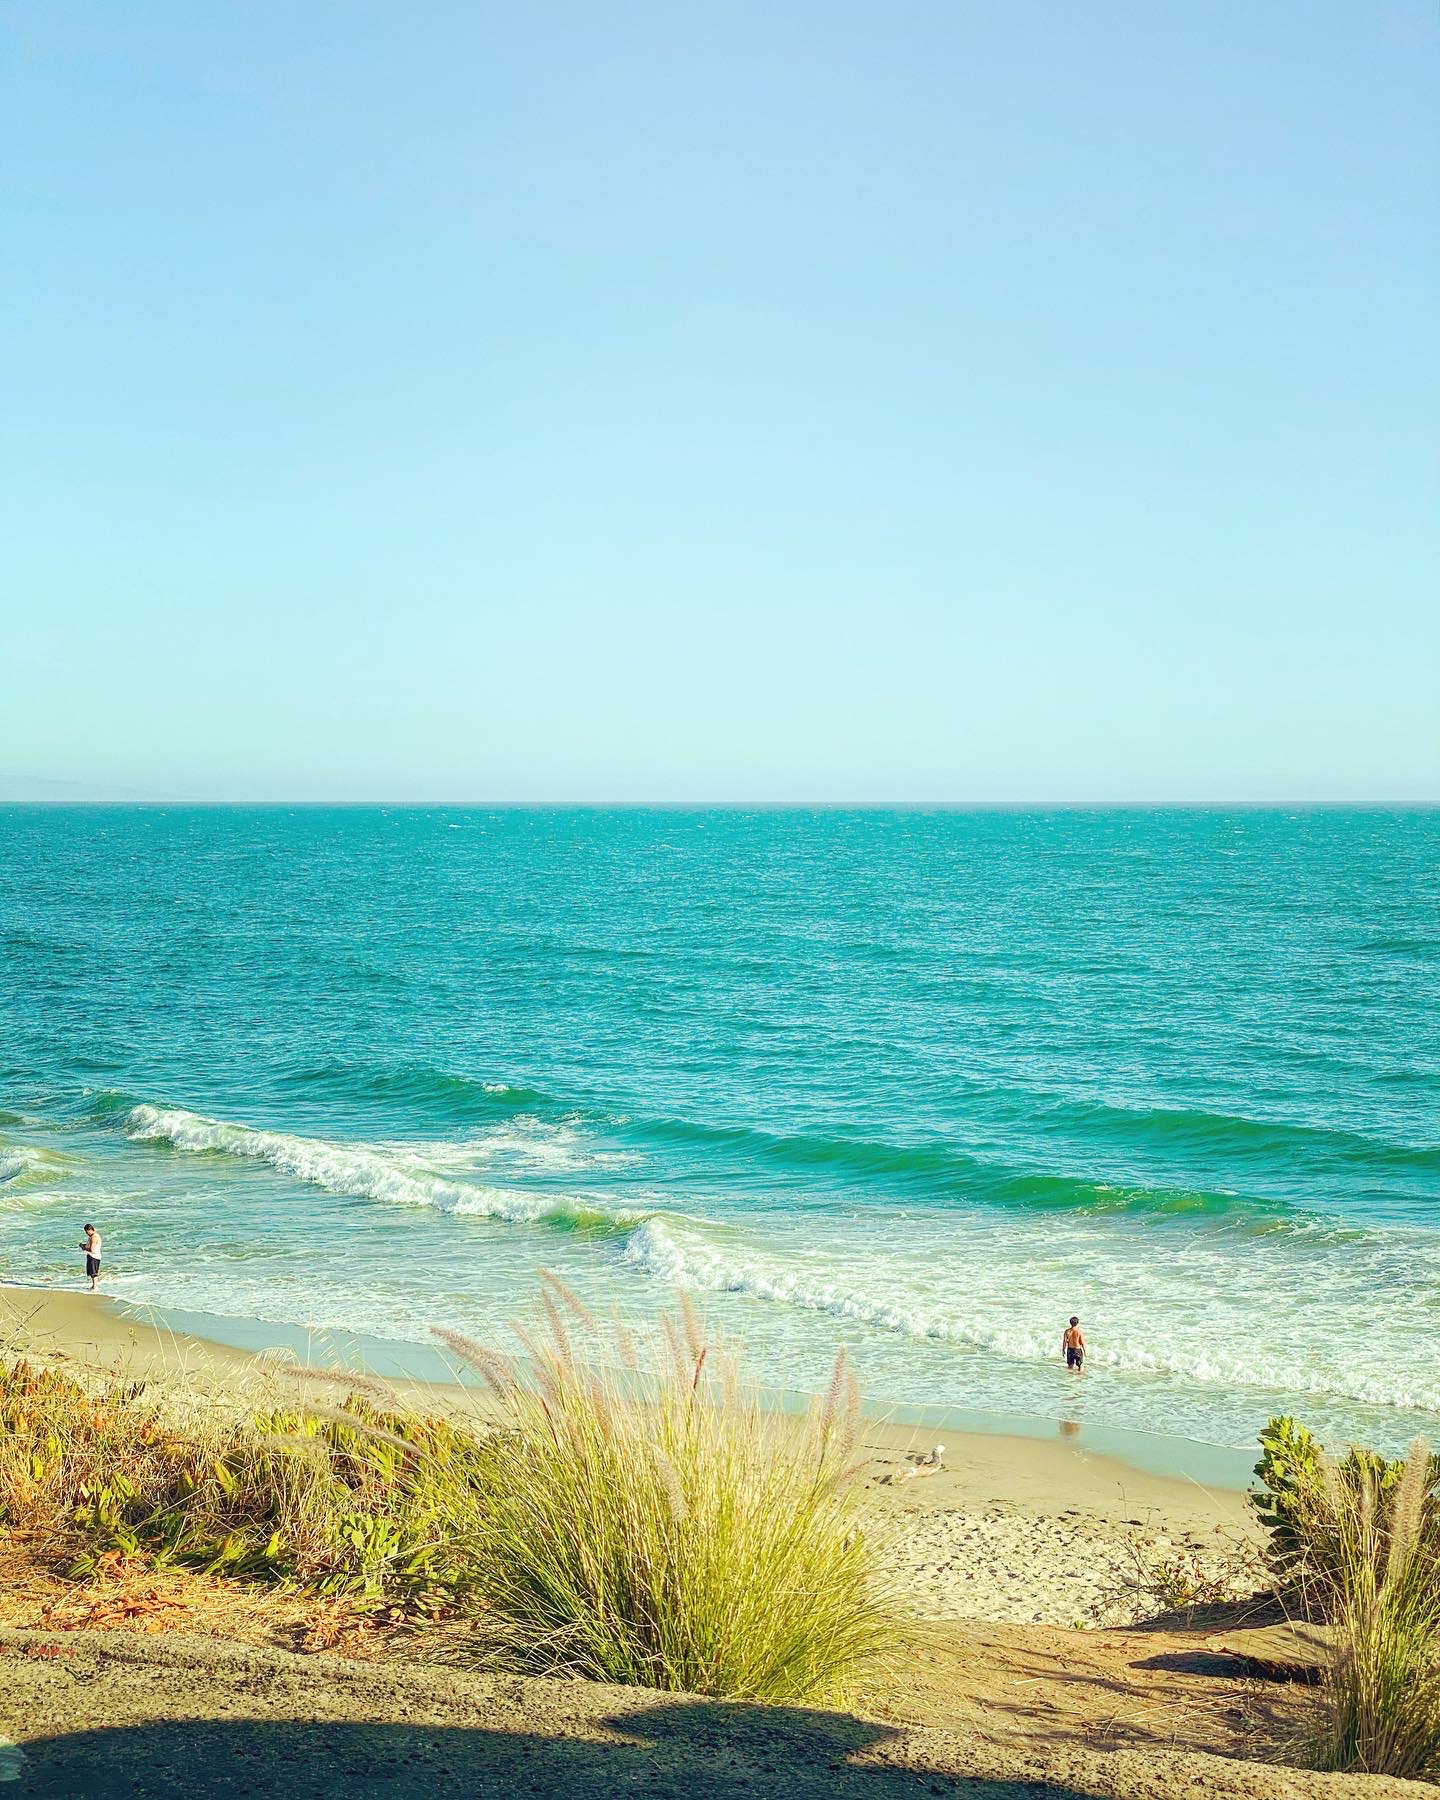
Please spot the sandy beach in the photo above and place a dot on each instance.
(1010, 1529)
(1028, 1660)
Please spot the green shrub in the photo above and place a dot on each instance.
(357, 1501)
(1309, 1550)
(646, 1521)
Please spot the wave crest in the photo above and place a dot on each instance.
(653, 1249)
(394, 1175)
(419, 1083)
(942, 1171)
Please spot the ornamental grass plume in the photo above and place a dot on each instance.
(1380, 1701)
(646, 1521)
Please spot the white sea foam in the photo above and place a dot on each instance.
(999, 1320)
(967, 1296)
(392, 1173)
(527, 1143)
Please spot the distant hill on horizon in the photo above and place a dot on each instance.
(17, 786)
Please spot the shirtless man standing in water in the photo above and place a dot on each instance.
(1072, 1345)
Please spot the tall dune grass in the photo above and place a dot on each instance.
(1355, 1541)
(1380, 1703)
(647, 1521)
(636, 1517)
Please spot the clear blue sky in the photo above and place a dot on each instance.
(801, 399)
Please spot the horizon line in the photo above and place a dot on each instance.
(415, 803)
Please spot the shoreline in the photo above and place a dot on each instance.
(1012, 1528)
(418, 1367)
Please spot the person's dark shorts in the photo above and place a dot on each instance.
(1073, 1357)
(92, 1266)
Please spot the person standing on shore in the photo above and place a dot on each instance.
(1072, 1345)
(90, 1244)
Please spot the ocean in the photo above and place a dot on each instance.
(924, 1082)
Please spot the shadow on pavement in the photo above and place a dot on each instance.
(684, 1751)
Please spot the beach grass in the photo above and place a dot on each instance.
(634, 1515)
(648, 1521)
(1356, 1541)
(1382, 1691)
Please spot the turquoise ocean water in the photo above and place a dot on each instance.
(921, 1081)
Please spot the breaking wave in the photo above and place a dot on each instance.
(653, 1249)
(395, 1174)
(21, 1166)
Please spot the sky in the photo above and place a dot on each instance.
(749, 400)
